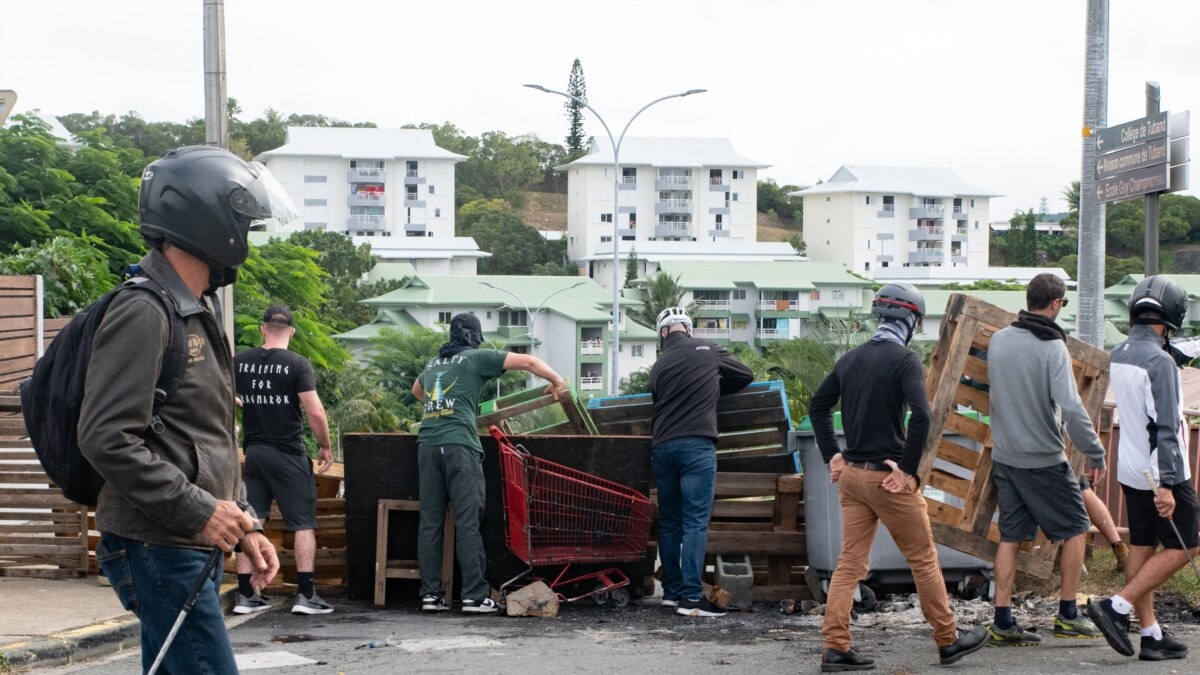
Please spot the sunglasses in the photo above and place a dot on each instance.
(1063, 302)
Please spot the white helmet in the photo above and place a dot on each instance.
(671, 316)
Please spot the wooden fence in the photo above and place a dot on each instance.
(20, 328)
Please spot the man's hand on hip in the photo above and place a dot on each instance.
(898, 480)
(263, 559)
(226, 526)
(835, 467)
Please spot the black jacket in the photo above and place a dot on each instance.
(686, 381)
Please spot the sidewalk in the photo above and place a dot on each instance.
(49, 622)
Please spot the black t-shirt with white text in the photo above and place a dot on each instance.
(268, 382)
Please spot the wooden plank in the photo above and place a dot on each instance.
(49, 501)
(750, 439)
(976, 369)
(38, 527)
(40, 573)
(940, 480)
(34, 540)
(69, 547)
(783, 543)
(957, 423)
(957, 454)
(23, 476)
(725, 508)
(745, 484)
(970, 396)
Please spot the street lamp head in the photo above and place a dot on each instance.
(689, 92)
(535, 86)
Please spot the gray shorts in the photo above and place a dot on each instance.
(285, 477)
(1046, 498)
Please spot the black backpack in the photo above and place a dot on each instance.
(51, 398)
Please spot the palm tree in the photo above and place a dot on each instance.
(658, 293)
(1071, 195)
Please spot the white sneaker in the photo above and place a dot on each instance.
(669, 602)
(484, 606)
(433, 603)
(255, 603)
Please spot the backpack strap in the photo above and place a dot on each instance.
(174, 358)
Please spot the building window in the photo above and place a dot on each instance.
(714, 176)
(489, 315)
(883, 264)
(604, 239)
(444, 317)
(977, 224)
(315, 179)
(411, 168)
(735, 196)
(430, 189)
(814, 295)
(719, 222)
(839, 295)
(629, 175)
(870, 199)
(636, 350)
(972, 203)
(314, 202)
(889, 203)
(437, 213)
(737, 294)
(738, 174)
(606, 217)
(868, 266)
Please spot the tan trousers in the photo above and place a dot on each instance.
(864, 504)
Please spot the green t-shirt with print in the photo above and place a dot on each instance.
(452, 389)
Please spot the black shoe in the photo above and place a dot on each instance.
(1161, 650)
(1114, 625)
(967, 643)
(701, 607)
(833, 661)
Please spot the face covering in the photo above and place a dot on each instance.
(465, 333)
(899, 331)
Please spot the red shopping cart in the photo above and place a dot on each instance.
(556, 515)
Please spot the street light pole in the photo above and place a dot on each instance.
(532, 332)
(615, 339)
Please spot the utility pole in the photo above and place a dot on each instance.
(1090, 319)
(216, 114)
(1153, 100)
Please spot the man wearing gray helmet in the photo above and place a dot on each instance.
(877, 382)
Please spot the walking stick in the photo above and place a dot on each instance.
(1153, 487)
(186, 609)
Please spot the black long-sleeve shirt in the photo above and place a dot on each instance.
(686, 381)
(876, 383)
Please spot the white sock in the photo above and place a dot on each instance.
(1153, 631)
(1121, 605)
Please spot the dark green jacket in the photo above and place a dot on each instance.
(161, 487)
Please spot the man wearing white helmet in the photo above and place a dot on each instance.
(685, 382)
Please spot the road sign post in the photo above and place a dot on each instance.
(1153, 99)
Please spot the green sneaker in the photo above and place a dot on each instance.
(1079, 627)
(1012, 637)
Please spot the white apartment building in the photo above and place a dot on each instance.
(872, 217)
(652, 254)
(424, 255)
(670, 189)
(367, 182)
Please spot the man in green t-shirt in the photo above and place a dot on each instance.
(450, 457)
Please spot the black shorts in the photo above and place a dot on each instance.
(285, 477)
(1146, 528)
(1046, 498)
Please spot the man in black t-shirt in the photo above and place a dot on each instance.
(274, 384)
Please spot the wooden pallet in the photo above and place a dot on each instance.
(960, 353)
(571, 417)
(42, 534)
(751, 422)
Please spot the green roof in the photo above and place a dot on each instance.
(1122, 289)
(773, 275)
(385, 318)
(391, 270)
(636, 331)
(1112, 336)
(577, 298)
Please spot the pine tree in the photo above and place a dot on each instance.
(631, 268)
(577, 88)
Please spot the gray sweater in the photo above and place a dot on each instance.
(1032, 388)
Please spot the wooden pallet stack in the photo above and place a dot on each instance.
(532, 412)
(957, 379)
(42, 534)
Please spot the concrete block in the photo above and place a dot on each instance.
(735, 574)
(536, 599)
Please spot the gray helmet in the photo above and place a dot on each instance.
(203, 199)
(1161, 296)
(897, 301)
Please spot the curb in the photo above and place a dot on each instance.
(81, 644)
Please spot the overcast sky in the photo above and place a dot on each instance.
(991, 89)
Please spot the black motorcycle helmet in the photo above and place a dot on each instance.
(897, 301)
(203, 199)
(1158, 300)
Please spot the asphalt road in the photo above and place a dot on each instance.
(636, 639)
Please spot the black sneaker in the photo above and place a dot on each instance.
(484, 606)
(1114, 625)
(1161, 650)
(434, 603)
(967, 643)
(833, 661)
(701, 607)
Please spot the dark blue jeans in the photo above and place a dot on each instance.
(153, 582)
(685, 470)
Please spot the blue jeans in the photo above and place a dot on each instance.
(685, 470)
(153, 582)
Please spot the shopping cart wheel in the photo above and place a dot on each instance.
(620, 597)
(601, 597)
(864, 599)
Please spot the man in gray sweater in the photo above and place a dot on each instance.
(1032, 395)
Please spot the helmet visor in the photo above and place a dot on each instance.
(264, 198)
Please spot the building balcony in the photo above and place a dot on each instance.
(673, 183)
(884, 258)
(414, 227)
(926, 256)
(627, 183)
(927, 212)
(591, 383)
(719, 233)
(960, 213)
(885, 235)
(367, 176)
(719, 210)
(591, 348)
(958, 235)
(958, 259)
(926, 234)
(413, 179)
(627, 232)
(771, 334)
(886, 211)
(359, 222)
(711, 305)
(676, 206)
(681, 230)
(718, 185)
(780, 305)
(711, 333)
(366, 199)
(411, 201)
